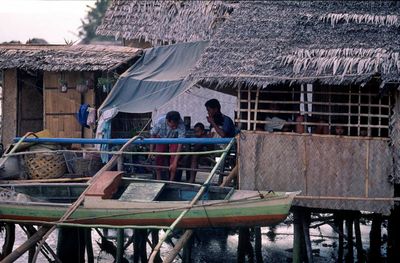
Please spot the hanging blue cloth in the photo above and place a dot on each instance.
(82, 115)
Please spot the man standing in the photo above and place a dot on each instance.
(168, 126)
(221, 124)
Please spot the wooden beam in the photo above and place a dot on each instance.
(178, 246)
(13, 256)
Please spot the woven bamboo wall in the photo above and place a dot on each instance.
(60, 108)
(320, 166)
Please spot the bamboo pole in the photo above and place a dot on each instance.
(178, 245)
(6, 156)
(30, 230)
(13, 256)
(367, 171)
(256, 110)
(78, 202)
(238, 106)
(54, 180)
(193, 202)
(249, 109)
(167, 167)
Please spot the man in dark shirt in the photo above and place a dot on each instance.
(222, 124)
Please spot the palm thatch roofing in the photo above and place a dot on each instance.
(164, 21)
(334, 42)
(65, 57)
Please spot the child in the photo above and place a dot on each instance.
(199, 132)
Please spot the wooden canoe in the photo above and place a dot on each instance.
(113, 200)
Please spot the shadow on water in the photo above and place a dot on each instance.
(221, 245)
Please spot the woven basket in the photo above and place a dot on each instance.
(45, 165)
(87, 166)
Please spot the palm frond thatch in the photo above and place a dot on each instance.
(160, 21)
(266, 43)
(64, 57)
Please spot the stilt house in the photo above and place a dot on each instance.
(44, 85)
(156, 23)
(317, 84)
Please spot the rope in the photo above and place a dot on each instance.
(116, 152)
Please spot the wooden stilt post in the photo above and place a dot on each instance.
(297, 236)
(244, 246)
(349, 228)
(187, 250)
(139, 246)
(375, 239)
(306, 231)
(258, 244)
(32, 250)
(393, 246)
(9, 240)
(89, 245)
(241, 253)
(71, 244)
(339, 225)
(136, 246)
(120, 245)
(357, 233)
(143, 250)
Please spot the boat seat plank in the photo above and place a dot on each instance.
(105, 185)
(142, 191)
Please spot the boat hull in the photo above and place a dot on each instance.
(249, 212)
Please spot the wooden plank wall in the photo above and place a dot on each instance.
(9, 107)
(60, 108)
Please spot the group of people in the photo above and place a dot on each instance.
(171, 125)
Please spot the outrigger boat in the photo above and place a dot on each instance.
(116, 201)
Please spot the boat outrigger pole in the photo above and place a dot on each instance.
(201, 191)
(42, 234)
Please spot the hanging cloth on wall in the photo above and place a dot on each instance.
(82, 115)
(91, 119)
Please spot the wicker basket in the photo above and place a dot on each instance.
(45, 165)
(87, 166)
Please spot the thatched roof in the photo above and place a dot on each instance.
(164, 20)
(333, 42)
(64, 57)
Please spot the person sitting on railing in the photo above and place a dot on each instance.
(168, 126)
